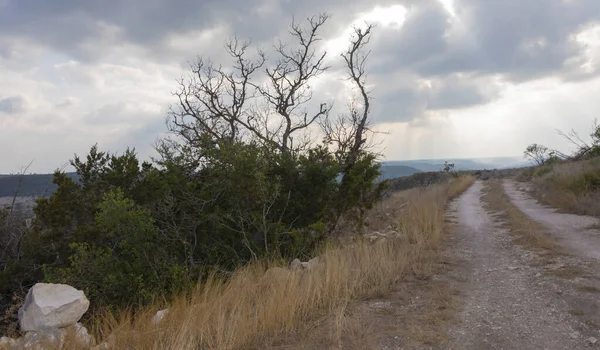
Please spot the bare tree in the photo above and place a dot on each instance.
(536, 153)
(348, 132)
(583, 147)
(218, 104)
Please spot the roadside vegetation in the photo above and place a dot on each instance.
(281, 306)
(568, 182)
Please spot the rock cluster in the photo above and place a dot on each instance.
(49, 314)
(296, 264)
(377, 236)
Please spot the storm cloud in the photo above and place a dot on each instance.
(79, 72)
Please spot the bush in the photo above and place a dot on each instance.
(129, 265)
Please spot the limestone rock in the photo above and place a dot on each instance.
(7, 343)
(52, 306)
(156, 319)
(82, 336)
(295, 264)
(48, 338)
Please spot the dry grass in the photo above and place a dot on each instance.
(572, 187)
(254, 309)
(568, 272)
(588, 289)
(525, 231)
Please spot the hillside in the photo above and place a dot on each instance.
(396, 171)
(34, 185)
(428, 165)
(41, 184)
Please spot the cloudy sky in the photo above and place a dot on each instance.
(450, 78)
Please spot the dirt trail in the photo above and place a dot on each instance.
(571, 231)
(506, 303)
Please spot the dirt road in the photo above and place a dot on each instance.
(573, 232)
(506, 301)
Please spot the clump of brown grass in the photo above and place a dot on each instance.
(572, 187)
(525, 231)
(252, 307)
(588, 288)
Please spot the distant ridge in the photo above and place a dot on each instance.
(36, 185)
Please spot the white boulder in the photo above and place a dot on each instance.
(295, 264)
(156, 319)
(52, 306)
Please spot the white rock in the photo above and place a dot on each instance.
(295, 264)
(7, 343)
(574, 335)
(156, 319)
(592, 340)
(373, 238)
(52, 306)
(82, 335)
(311, 264)
(43, 339)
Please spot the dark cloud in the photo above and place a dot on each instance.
(454, 92)
(12, 104)
(69, 25)
(433, 62)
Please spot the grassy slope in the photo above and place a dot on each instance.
(573, 187)
(256, 310)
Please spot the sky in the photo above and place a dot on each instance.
(449, 78)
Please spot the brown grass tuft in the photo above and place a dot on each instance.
(525, 231)
(572, 187)
(588, 289)
(254, 309)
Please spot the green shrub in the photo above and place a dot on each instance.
(128, 266)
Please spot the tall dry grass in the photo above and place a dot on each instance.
(254, 309)
(573, 187)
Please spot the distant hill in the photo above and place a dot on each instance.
(395, 171)
(35, 185)
(41, 184)
(429, 165)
